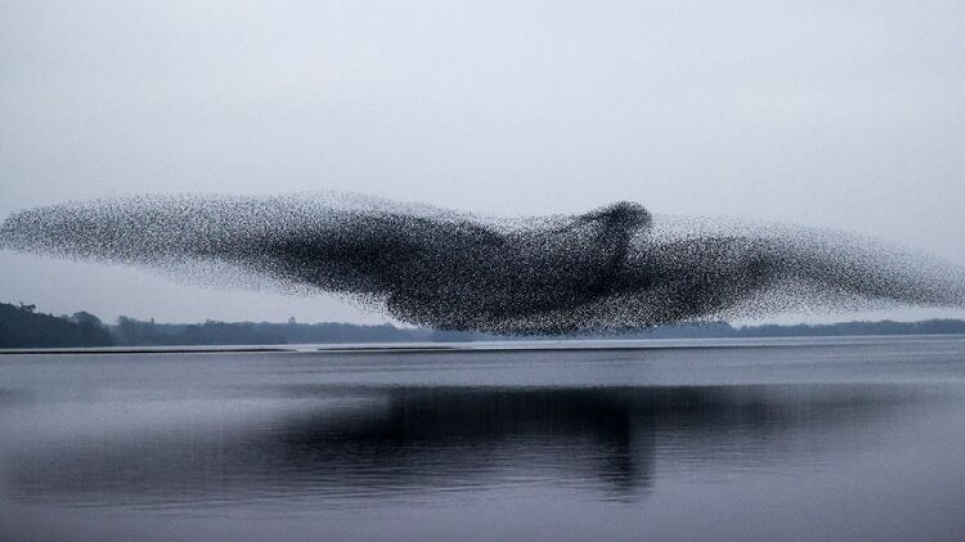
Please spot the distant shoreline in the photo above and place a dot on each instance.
(24, 329)
(530, 345)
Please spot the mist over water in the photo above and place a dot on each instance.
(793, 440)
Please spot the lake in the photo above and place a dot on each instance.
(807, 439)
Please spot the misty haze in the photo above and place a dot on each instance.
(492, 270)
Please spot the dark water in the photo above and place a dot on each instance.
(805, 440)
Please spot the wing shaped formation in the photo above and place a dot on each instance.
(613, 268)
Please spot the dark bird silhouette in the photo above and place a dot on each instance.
(611, 268)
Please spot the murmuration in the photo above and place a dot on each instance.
(613, 268)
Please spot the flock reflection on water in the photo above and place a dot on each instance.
(343, 446)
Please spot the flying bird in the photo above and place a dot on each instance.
(614, 268)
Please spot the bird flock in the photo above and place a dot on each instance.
(614, 268)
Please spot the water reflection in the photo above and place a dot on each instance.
(343, 446)
(458, 438)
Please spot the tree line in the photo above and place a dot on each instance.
(21, 326)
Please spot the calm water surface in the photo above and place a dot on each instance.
(844, 439)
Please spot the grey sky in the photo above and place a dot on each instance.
(834, 114)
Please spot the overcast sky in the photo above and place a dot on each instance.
(835, 114)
